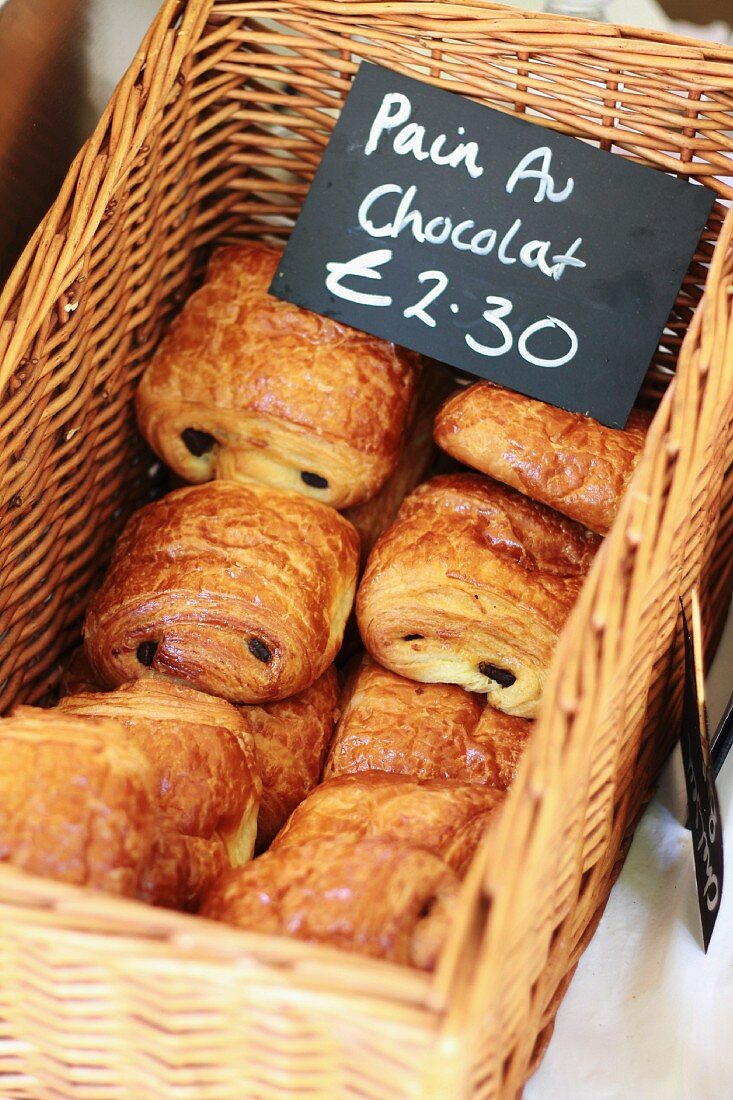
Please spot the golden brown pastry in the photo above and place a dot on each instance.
(501, 740)
(418, 454)
(207, 784)
(443, 816)
(291, 738)
(472, 585)
(429, 731)
(76, 800)
(417, 459)
(78, 675)
(240, 590)
(247, 387)
(181, 869)
(568, 461)
(375, 896)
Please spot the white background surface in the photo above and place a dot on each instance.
(639, 13)
(648, 1015)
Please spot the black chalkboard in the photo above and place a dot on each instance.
(497, 246)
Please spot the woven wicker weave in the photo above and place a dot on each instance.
(215, 133)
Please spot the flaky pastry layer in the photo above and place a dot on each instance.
(472, 585)
(374, 517)
(445, 817)
(379, 897)
(291, 737)
(207, 784)
(242, 591)
(245, 386)
(77, 800)
(568, 461)
(426, 730)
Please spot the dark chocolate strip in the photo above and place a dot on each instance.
(502, 676)
(259, 650)
(314, 480)
(146, 653)
(199, 443)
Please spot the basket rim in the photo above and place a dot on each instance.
(502, 18)
(90, 913)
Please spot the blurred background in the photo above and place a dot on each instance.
(59, 63)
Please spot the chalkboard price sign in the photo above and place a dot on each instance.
(507, 250)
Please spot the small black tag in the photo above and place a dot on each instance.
(722, 742)
(702, 800)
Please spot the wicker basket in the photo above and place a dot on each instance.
(214, 134)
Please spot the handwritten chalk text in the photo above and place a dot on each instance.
(381, 216)
(395, 110)
(366, 266)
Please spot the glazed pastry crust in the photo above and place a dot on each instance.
(291, 738)
(563, 459)
(77, 802)
(200, 748)
(374, 896)
(391, 724)
(440, 815)
(418, 457)
(501, 740)
(429, 731)
(374, 517)
(207, 786)
(239, 590)
(282, 390)
(181, 869)
(78, 676)
(483, 576)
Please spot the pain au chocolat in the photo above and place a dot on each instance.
(291, 738)
(563, 459)
(380, 897)
(441, 815)
(242, 591)
(472, 585)
(245, 386)
(77, 801)
(207, 786)
(429, 731)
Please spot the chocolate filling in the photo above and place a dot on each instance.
(426, 908)
(314, 480)
(412, 637)
(259, 650)
(146, 653)
(198, 443)
(503, 677)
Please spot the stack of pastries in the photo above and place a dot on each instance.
(212, 749)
